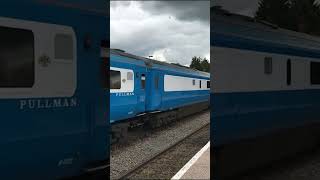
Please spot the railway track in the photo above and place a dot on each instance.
(187, 146)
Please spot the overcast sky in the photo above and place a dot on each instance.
(172, 31)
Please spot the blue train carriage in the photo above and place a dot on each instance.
(145, 91)
(266, 93)
(53, 105)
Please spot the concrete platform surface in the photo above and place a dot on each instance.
(198, 167)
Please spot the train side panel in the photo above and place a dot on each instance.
(179, 88)
(271, 115)
(52, 125)
(265, 103)
(128, 99)
(265, 95)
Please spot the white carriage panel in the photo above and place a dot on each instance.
(298, 73)
(127, 86)
(222, 72)
(60, 76)
(237, 70)
(180, 83)
(54, 77)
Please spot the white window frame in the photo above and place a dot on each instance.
(126, 85)
(59, 78)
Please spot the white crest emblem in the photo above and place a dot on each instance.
(44, 60)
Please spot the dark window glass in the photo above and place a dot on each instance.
(63, 47)
(16, 58)
(143, 81)
(115, 79)
(129, 76)
(104, 65)
(315, 72)
(208, 84)
(104, 73)
(200, 84)
(156, 82)
(268, 65)
(288, 72)
(193, 82)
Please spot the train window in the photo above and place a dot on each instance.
(115, 79)
(288, 72)
(156, 82)
(104, 65)
(63, 47)
(268, 65)
(129, 76)
(315, 72)
(143, 81)
(193, 82)
(208, 84)
(104, 75)
(16, 58)
(200, 84)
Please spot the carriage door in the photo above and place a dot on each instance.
(142, 92)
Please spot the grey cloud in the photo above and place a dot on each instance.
(178, 46)
(182, 10)
(177, 40)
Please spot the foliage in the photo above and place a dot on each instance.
(200, 64)
(297, 15)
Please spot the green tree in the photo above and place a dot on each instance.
(200, 64)
(196, 63)
(297, 15)
(205, 65)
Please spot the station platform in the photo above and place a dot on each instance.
(198, 166)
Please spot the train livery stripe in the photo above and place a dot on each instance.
(179, 83)
(248, 69)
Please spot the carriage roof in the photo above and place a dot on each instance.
(238, 26)
(151, 62)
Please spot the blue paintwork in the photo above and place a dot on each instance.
(33, 141)
(155, 99)
(241, 115)
(121, 105)
(235, 32)
(244, 115)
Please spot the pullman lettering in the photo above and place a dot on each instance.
(125, 94)
(48, 103)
